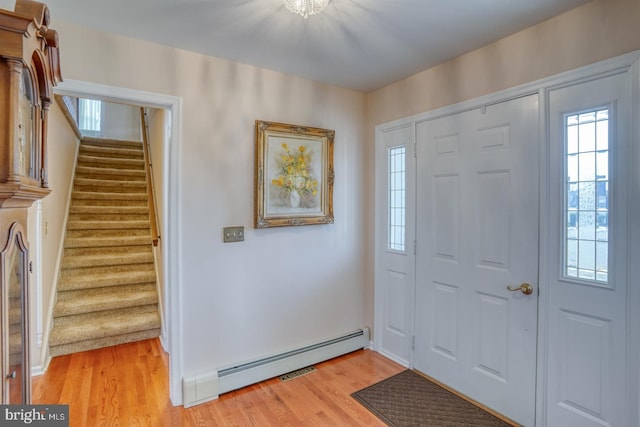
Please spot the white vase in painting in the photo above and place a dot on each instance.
(294, 198)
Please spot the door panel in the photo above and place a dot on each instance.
(477, 232)
(394, 252)
(586, 351)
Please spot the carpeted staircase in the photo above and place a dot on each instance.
(106, 292)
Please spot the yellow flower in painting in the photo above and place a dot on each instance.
(285, 146)
(301, 148)
(279, 181)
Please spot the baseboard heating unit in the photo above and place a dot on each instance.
(203, 387)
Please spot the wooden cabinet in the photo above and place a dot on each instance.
(29, 68)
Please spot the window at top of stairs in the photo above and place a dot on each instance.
(90, 116)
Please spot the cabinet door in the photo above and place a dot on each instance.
(15, 336)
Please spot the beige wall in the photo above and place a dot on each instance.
(63, 145)
(596, 31)
(280, 288)
(120, 121)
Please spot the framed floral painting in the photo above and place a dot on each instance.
(293, 176)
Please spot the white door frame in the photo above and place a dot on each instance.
(172, 333)
(631, 63)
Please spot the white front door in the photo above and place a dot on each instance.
(589, 174)
(477, 234)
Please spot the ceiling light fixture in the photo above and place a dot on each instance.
(305, 8)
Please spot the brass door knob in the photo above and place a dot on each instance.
(525, 288)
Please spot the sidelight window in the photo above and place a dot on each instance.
(587, 195)
(397, 204)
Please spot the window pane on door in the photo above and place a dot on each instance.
(397, 207)
(586, 203)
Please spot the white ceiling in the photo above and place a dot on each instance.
(357, 44)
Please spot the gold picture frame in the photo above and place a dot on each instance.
(293, 175)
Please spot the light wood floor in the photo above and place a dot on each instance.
(128, 385)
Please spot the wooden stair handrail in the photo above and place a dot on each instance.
(155, 237)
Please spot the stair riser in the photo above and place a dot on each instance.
(110, 163)
(131, 176)
(103, 342)
(109, 203)
(142, 314)
(137, 218)
(89, 141)
(133, 193)
(110, 174)
(80, 283)
(63, 310)
(74, 305)
(123, 251)
(107, 261)
(108, 233)
(105, 243)
(103, 276)
(113, 181)
(105, 210)
(106, 225)
(109, 197)
(110, 153)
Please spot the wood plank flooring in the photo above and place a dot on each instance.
(128, 385)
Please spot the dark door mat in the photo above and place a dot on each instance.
(409, 399)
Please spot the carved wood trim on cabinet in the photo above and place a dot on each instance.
(29, 68)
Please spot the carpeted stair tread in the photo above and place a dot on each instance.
(121, 250)
(112, 187)
(109, 142)
(93, 242)
(98, 233)
(75, 217)
(102, 260)
(105, 210)
(117, 225)
(96, 161)
(79, 346)
(86, 184)
(89, 326)
(110, 152)
(109, 173)
(108, 298)
(93, 277)
(94, 195)
(106, 201)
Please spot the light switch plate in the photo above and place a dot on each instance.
(233, 234)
